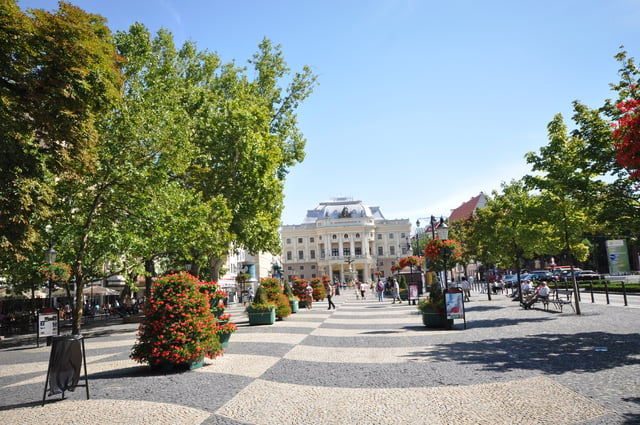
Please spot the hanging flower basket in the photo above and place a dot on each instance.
(440, 252)
(56, 272)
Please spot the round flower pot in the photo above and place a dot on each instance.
(432, 318)
(169, 366)
(294, 306)
(224, 339)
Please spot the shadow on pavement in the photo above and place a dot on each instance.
(548, 353)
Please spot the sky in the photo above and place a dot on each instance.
(420, 105)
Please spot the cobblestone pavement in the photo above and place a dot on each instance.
(364, 363)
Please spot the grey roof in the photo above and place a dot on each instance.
(342, 208)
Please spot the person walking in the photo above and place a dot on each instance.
(330, 293)
(396, 292)
(380, 290)
(309, 295)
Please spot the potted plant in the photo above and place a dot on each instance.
(319, 291)
(261, 311)
(433, 310)
(178, 328)
(439, 253)
(293, 300)
(298, 289)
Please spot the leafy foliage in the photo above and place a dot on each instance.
(178, 325)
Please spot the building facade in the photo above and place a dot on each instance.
(346, 240)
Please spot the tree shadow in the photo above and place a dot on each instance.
(547, 353)
(481, 308)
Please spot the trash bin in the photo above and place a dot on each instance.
(65, 363)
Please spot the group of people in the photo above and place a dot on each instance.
(390, 286)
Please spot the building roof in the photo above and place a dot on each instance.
(342, 208)
(468, 209)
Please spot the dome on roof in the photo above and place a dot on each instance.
(342, 208)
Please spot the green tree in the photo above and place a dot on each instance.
(248, 139)
(59, 72)
(567, 185)
(511, 224)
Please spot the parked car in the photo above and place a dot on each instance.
(510, 280)
(539, 275)
(587, 275)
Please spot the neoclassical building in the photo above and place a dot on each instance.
(344, 239)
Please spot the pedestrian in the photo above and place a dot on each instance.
(330, 293)
(363, 289)
(396, 291)
(380, 290)
(357, 286)
(308, 291)
(466, 289)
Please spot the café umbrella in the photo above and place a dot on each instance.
(99, 290)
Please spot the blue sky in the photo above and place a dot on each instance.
(421, 104)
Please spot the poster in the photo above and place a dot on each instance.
(413, 292)
(618, 256)
(47, 323)
(455, 308)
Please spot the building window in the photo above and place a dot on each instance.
(311, 239)
(390, 235)
(288, 241)
(358, 250)
(301, 267)
(357, 235)
(402, 235)
(313, 275)
(335, 252)
(289, 256)
(346, 252)
(346, 236)
(289, 268)
(379, 236)
(392, 250)
(379, 250)
(313, 267)
(300, 255)
(322, 253)
(299, 240)
(312, 254)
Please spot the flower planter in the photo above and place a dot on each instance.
(169, 366)
(224, 339)
(433, 317)
(262, 317)
(294, 306)
(436, 320)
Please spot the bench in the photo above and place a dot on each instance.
(562, 297)
(559, 298)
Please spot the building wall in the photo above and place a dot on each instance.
(330, 245)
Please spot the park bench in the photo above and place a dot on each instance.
(562, 297)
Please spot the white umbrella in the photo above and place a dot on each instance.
(99, 290)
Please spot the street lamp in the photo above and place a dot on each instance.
(443, 234)
(50, 257)
(418, 237)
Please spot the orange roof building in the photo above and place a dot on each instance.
(468, 209)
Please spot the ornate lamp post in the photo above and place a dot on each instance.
(417, 252)
(443, 234)
(50, 257)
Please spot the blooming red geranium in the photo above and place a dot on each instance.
(626, 137)
(56, 272)
(411, 261)
(439, 250)
(178, 326)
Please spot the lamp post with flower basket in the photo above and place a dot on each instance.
(411, 261)
(439, 252)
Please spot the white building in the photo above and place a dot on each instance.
(345, 239)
